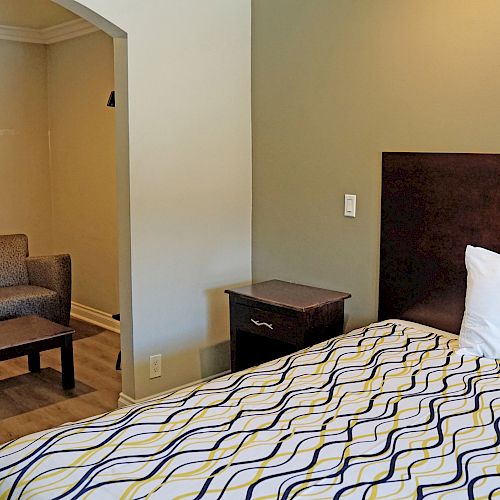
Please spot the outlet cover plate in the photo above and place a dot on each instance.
(155, 366)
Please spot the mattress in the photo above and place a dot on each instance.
(386, 411)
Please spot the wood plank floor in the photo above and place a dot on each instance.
(31, 402)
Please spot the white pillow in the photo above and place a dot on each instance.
(480, 331)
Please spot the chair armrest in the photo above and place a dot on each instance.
(53, 272)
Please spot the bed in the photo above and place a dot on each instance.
(390, 410)
(386, 411)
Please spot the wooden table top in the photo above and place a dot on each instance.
(28, 329)
(289, 295)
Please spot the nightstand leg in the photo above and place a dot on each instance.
(233, 352)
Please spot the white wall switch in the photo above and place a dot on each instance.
(155, 366)
(350, 205)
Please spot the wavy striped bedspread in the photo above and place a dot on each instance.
(388, 411)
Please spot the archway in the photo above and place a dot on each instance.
(122, 178)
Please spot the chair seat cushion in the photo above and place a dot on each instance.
(25, 300)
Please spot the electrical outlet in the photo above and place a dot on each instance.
(155, 366)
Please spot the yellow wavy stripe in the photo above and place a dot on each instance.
(297, 394)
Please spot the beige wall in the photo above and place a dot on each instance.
(335, 83)
(190, 179)
(82, 160)
(24, 164)
(62, 195)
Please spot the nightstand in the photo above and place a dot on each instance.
(276, 318)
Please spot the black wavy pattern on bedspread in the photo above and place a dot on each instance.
(385, 411)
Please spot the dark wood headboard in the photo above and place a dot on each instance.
(433, 206)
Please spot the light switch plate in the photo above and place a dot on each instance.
(350, 205)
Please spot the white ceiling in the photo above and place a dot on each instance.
(36, 14)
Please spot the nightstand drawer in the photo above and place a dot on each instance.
(267, 323)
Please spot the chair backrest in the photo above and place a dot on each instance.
(13, 253)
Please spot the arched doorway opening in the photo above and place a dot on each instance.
(122, 179)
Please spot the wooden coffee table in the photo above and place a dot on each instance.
(30, 335)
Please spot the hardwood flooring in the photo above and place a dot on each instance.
(31, 402)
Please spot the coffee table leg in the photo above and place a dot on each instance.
(68, 370)
(34, 362)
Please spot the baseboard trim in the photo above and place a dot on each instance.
(125, 400)
(94, 317)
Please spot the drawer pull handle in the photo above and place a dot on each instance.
(261, 323)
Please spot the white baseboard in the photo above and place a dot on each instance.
(94, 317)
(125, 400)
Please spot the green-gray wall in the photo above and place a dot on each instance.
(336, 83)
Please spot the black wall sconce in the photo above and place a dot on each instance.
(111, 100)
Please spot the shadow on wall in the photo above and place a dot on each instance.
(216, 356)
(215, 359)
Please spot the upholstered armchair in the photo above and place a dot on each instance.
(33, 285)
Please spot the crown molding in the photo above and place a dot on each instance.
(47, 36)
(18, 34)
(68, 30)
